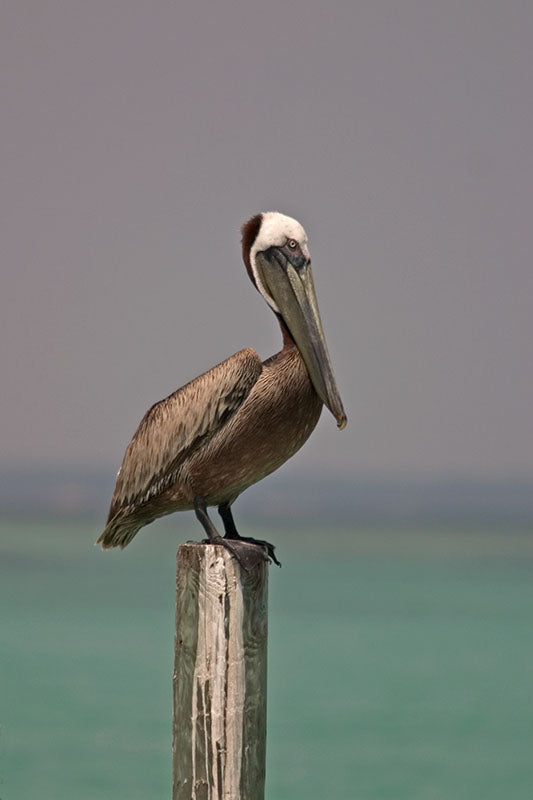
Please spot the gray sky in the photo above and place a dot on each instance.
(138, 136)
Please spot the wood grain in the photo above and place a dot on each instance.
(219, 722)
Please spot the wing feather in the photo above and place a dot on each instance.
(178, 424)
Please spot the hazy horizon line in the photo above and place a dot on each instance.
(308, 494)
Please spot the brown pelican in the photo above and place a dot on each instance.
(208, 441)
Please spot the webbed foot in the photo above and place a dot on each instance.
(248, 552)
(233, 535)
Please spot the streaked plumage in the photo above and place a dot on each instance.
(238, 422)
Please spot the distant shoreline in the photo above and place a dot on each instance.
(56, 492)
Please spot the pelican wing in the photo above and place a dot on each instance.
(174, 427)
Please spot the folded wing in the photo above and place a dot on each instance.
(176, 426)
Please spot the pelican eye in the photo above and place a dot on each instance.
(292, 243)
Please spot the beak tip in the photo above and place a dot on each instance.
(342, 422)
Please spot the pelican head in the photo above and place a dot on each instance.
(276, 254)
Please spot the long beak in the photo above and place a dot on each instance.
(292, 289)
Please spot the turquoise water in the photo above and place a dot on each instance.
(400, 663)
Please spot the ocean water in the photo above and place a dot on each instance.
(400, 662)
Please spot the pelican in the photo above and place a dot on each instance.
(230, 427)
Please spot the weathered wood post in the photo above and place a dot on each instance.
(219, 722)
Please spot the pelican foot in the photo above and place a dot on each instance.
(246, 550)
(267, 547)
(247, 553)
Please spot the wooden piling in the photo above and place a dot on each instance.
(219, 682)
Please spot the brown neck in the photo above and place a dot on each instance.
(288, 341)
(249, 232)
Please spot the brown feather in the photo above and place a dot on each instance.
(249, 233)
(272, 423)
(173, 428)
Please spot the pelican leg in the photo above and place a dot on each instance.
(213, 536)
(231, 533)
